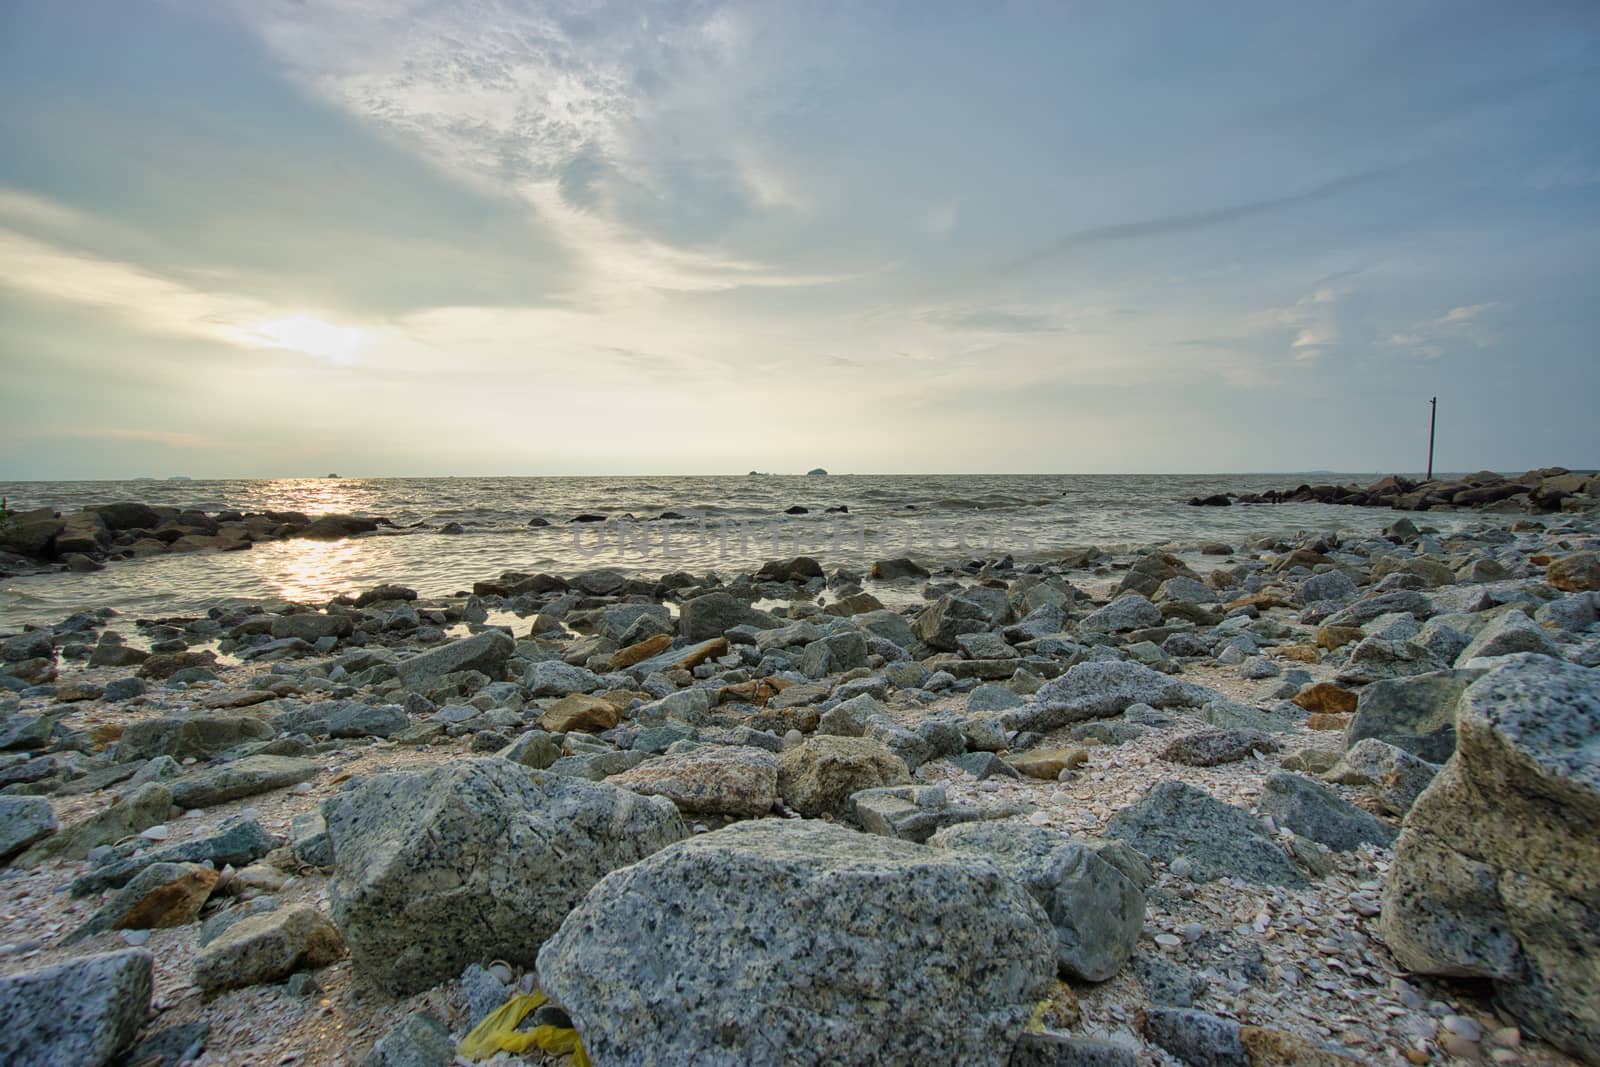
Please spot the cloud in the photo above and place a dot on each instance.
(555, 106)
(1313, 319)
(1429, 339)
(1182, 223)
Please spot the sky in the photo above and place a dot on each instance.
(261, 238)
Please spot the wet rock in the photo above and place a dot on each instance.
(1096, 911)
(76, 1014)
(1497, 870)
(818, 776)
(878, 946)
(1174, 820)
(267, 948)
(731, 780)
(1313, 810)
(478, 859)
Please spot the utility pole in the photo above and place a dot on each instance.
(1433, 415)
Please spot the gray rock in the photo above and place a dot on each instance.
(1416, 714)
(76, 1014)
(1102, 689)
(1497, 870)
(141, 809)
(878, 946)
(1313, 810)
(833, 654)
(419, 1040)
(242, 778)
(1097, 912)
(1051, 1049)
(1183, 590)
(161, 895)
(1210, 748)
(119, 689)
(1196, 1038)
(888, 625)
(1371, 607)
(1395, 776)
(486, 653)
(1511, 632)
(712, 614)
(25, 732)
(1128, 612)
(24, 820)
(985, 645)
(952, 615)
(197, 737)
(911, 812)
(267, 948)
(732, 780)
(1375, 659)
(475, 860)
(309, 841)
(1174, 820)
(552, 678)
(993, 698)
(1329, 585)
(239, 842)
(309, 626)
(849, 718)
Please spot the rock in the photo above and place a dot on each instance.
(309, 626)
(239, 842)
(889, 625)
(473, 860)
(1128, 612)
(1210, 748)
(834, 654)
(682, 659)
(579, 713)
(1511, 632)
(1377, 658)
(985, 645)
(1195, 1037)
(24, 820)
(1395, 776)
(144, 807)
(1174, 820)
(798, 569)
(486, 653)
(266, 948)
(1497, 870)
(199, 737)
(1325, 698)
(1047, 763)
(912, 812)
(1186, 591)
(714, 614)
(879, 946)
(1329, 585)
(419, 1040)
(242, 778)
(1313, 810)
(731, 780)
(993, 698)
(160, 896)
(76, 1014)
(26, 732)
(1096, 911)
(1279, 1048)
(1417, 714)
(640, 651)
(888, 570)
(1048, 1048)
(1099, 689)
(333, 527)
(552, 678)
(818, 776)
(1576, 573)
(940, 623)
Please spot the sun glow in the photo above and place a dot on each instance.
(303, 333)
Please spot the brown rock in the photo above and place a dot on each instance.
(1299, 653)
(638, 653)
(1575, 574)
(702, 652)
(177, 903)
(580, 713)
(1325, 697)
(236, 698)
(1325, 721)
(817, 777)
(267, 947)
(1261, 601)
(1277, 1048)
(1048, 763)
(756, 692)
(1332, 637)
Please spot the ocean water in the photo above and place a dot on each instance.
(729, 524)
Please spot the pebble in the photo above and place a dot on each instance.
(1168, 940)
(1462, 1026)
(159, 832)
(135, 937)
(1457, 1045)
(1181, 867)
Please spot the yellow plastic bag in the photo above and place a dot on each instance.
(498, 1033)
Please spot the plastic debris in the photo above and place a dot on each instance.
(498, 1033)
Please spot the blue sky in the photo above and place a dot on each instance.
(281, 237)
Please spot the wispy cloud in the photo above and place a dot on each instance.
(1429, 339)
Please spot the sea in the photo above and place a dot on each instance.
(724, 525)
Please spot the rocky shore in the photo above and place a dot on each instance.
(1307, 801)
(1548, 489)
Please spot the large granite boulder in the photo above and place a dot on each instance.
(1174, 820)
(75, 1014)
(475, 860)
(1097, 912)
(1497, 869)
(800, 942)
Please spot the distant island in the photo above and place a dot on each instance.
(816, 472)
